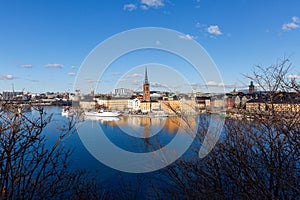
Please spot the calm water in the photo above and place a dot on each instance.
(133, 134)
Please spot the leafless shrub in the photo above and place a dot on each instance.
(256, 157)
(30, 168)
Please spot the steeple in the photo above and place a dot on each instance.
(251, 88)
(146, 88)
(146, 77)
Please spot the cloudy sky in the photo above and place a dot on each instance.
(44, 43)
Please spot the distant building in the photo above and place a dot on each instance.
(202, 102)
(11, 95)
(254, 105)
(123, 92)
(279, 102)
(154, 96)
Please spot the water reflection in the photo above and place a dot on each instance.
(165, 128)
(102, 119)
(145, 127)
(140, 127)
(145, 134)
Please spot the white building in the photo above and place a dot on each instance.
(102, 102)
(134, 104)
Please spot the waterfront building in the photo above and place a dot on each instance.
(255, 105)
(279, 102)
(244, 101)
(230, 101)
(202, 102)
(145, 107)
(237, 102)
(117, 104)
(134, 104)
(155, 105)
(102, 102)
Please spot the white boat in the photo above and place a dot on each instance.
(66, 111)
(102, 113)
(102, 119)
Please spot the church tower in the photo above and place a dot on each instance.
(146, 88)
(251, 88)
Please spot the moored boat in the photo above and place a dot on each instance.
(66, 111)
(102, 113)
(102, 119)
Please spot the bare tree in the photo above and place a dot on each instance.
(257, 158)
(30, 168)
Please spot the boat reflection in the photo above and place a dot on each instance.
(102, 119)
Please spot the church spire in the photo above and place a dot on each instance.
(146, 77)
(146, 88)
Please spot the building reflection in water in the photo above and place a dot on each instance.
(146, 127)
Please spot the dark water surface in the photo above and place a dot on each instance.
(133, 134)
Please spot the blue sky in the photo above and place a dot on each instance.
(43, 43)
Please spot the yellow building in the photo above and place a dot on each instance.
(255, 105)
(285, 107)
(179, 106)
(87, 104)
(117, 104)
(145, 107)
(170, 107)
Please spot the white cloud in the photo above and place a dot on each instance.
(294, 24)
(54, 65)
(135, 75)
(72, 74)
(293, 76)
(158, 85)
(295, 19)
(187, 37)
(153, 3)
(144, 7)
(129, 7)
(7, 77)
(73, 67)
(212, 83)
(26, 66)
(214, 30)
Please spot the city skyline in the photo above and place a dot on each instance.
(44, 43)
